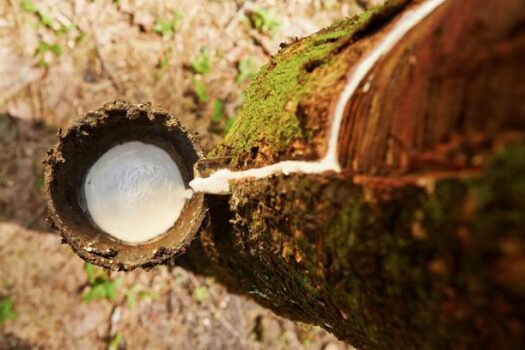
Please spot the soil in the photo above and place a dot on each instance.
(61, 59)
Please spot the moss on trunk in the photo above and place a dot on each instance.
(420, 241)
(285, 112)
(434, 266)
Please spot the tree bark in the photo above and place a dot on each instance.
(419, 241)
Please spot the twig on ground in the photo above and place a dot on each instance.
(104, 64)
(259, 40)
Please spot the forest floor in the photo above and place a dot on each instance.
(193, 57)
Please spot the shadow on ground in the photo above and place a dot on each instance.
(23, 145)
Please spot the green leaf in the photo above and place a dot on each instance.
(81, 37)
(177, 19)
(135, 292)
(201, 293)
(248, 68)
(42, 63)
(102, 290)
(46, 20)
(64, 29)
(56, 49)
(202, 63)
(201, 91)
(6, 310)
(28, 6)
(44, 47)
(115, 342)
(101, 285)
(165, 28)
(95, 274)
(229, 123)
(264, 21)
(164, 62)
(218, 111)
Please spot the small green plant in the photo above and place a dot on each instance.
(137, 292)
(264, 21)
(201, 64)
(164, 28)
(218, 111)
(80, 38)
(201, 91)
(43, 48)
(101, 286)
(247, 68)
(201, 293)
(164, 61)
(115, 342)
(6, 310)
(167, 28)
(229, 123)
(44, 18)
(28, 6)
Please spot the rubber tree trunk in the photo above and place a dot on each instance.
(419, 241)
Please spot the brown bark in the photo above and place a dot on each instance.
(420, 241)
(453, 83)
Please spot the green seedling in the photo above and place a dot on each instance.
(115, 342)
(167, 28)
(164, 62)
(28, 6)
(80, 38)
(218, 111)
(43, 48)
(101, 286)
(164, 28)
(264, 21)
(201, 293)
(247, 68)
(137, 292)
(44, 18)
(201, 64)
(6, 310)
(201, 91)
(229, 123)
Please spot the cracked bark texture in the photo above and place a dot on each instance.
(420, 241)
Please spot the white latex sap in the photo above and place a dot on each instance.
(135, 192)
(219, 182)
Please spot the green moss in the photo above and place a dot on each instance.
(394, 272)
(269, 117)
